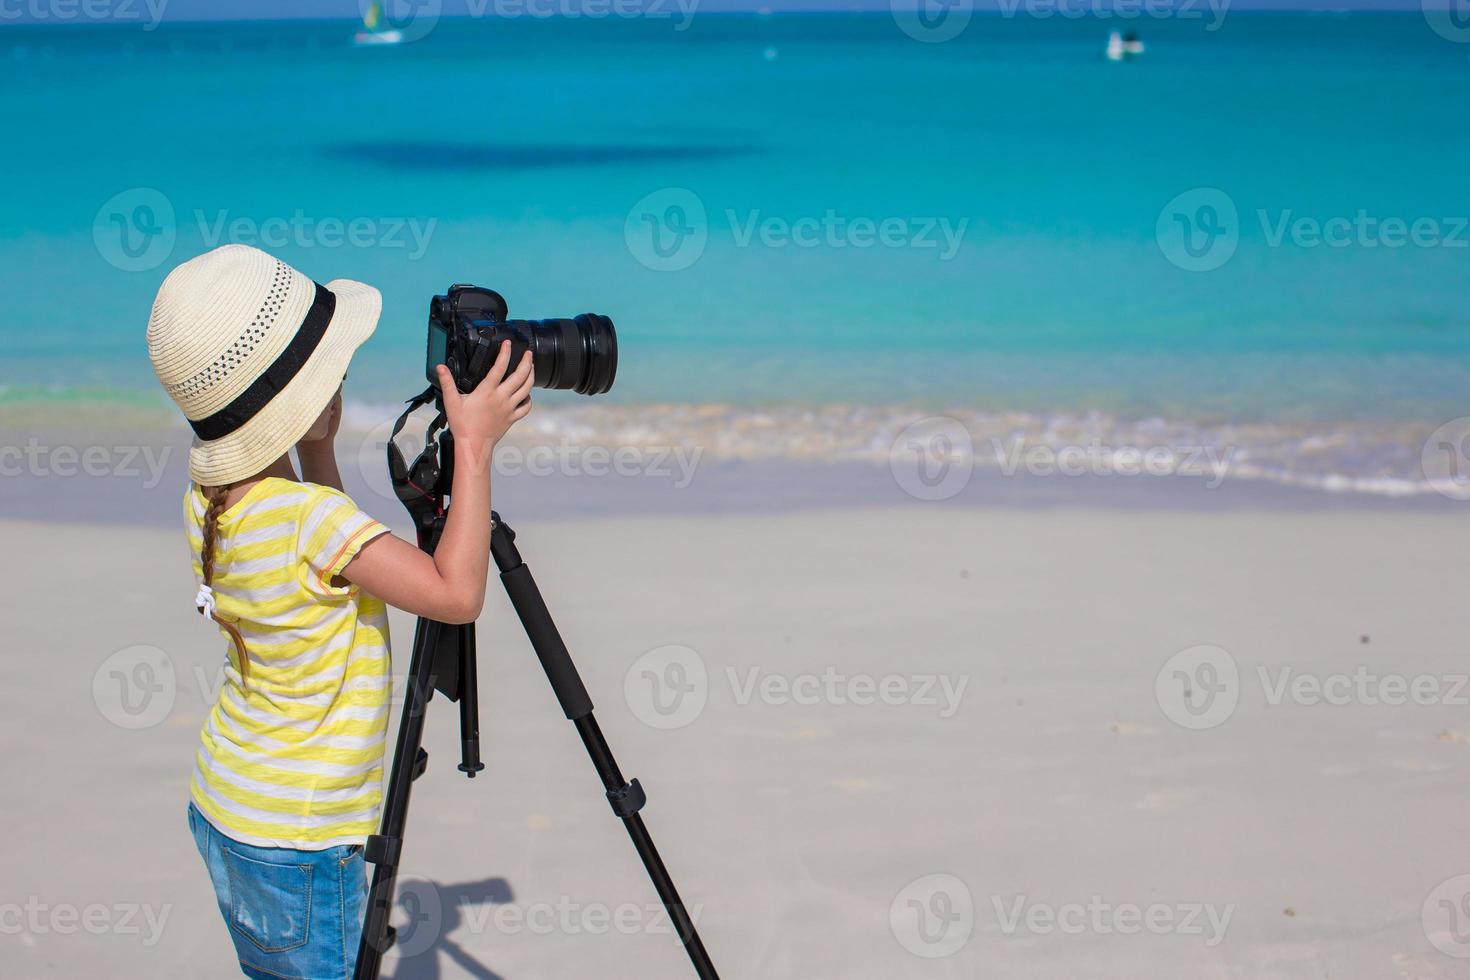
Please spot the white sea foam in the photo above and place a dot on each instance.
(1375, 458)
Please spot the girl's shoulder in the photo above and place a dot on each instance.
(273, 500)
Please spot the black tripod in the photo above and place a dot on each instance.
(444, 659)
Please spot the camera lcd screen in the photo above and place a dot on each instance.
(438, 350)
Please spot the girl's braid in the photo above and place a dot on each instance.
(216, 497)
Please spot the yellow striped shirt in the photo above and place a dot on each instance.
(293, 757)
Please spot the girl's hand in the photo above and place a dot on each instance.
(480, 419)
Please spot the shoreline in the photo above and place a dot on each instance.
(128, 464)
(729, 487)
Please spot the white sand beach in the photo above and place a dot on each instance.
(912, 742)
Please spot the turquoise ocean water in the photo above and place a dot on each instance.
(1035, 259)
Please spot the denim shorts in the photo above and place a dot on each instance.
(293, 914)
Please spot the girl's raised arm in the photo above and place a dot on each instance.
(449, 586)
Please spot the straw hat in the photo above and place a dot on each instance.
(252, 351)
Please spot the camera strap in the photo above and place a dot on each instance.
(415, 484)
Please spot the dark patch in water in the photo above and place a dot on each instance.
(429, 155)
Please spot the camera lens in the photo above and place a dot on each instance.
(580, 354)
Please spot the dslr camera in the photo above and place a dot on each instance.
(468, 323)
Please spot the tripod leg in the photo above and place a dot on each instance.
(626, 798)
(384, 848)
(469, 704)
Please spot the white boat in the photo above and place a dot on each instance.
(373, 31)
(1121, 48)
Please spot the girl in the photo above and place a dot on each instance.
(286, 782)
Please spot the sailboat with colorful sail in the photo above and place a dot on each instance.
(375, 29)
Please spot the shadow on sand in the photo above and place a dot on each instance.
(434, 913)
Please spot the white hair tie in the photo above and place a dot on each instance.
(204, 601)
